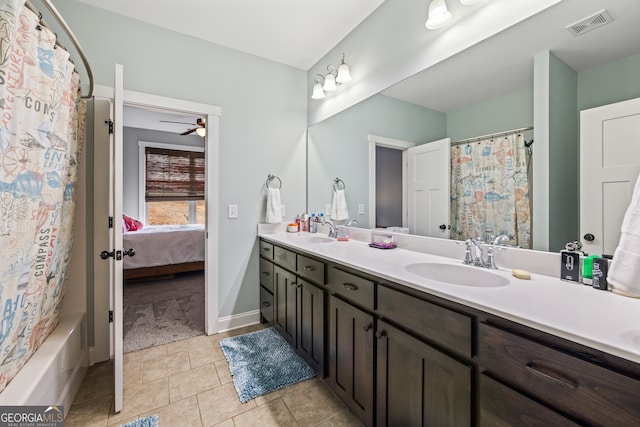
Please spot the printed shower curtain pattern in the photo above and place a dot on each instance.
(41, 132)
(490, 190)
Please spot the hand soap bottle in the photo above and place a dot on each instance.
(570, 262)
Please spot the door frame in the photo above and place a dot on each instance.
(212, 190)
(396, 144)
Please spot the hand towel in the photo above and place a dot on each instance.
(274, 206)
(624, 273)
(339, 209)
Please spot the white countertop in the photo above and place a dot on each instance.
(598, 319)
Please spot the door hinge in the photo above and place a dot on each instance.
(110, 316)
(110, 222)
(110, 123)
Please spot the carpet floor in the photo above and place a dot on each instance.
(261, 362)
(161, 311)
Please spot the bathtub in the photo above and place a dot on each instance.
(55, 371)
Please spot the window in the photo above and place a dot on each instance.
(174, 185)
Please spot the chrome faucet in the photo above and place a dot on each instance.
(333, 230)
(475, 252)
(352, 223)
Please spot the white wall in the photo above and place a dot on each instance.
(262, 128)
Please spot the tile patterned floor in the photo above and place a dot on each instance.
(187, 383)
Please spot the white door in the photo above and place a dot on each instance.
(428, 188)
(609, 167)
(116, 210)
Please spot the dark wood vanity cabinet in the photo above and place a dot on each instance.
(397, 356)
(571, 381)
(351, 357)
(418, 385)
(291, 298)
(285, 296)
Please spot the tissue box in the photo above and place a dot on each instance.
(382, 239)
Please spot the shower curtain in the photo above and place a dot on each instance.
(41, 133)
(490, 190)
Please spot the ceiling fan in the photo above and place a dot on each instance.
(199, 126)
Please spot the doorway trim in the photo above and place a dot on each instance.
(396, 144)
(212, 193)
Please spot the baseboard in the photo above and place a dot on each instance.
(236, 321)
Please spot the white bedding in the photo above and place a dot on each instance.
(164, 244)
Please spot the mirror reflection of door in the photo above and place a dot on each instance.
(388, 187)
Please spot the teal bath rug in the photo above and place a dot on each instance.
(261, 362)
(143, 422)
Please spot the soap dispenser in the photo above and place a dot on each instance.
(570, 267)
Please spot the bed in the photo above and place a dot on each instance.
(162, 250)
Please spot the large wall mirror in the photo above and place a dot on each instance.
(497, 85)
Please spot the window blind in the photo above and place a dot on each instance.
(173, 175)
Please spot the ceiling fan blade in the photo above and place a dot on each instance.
(189, 132)
(181, 123)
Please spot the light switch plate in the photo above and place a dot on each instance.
(232, 211)
(361, 208)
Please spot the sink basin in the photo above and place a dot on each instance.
(457, 274)
(315, 239)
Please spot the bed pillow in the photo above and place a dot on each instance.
(131, 224)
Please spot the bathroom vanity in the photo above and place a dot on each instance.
(399, 347)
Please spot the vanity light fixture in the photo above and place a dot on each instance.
(201, 132)
(439, 15)
(330, 81)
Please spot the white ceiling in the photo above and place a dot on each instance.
(299, 33)
(504, 63)
(292, 32)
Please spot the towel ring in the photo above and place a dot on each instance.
(337, 183)
(272, 178)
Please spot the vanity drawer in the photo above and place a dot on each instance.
(266, 305)
(266, 249)
(310, 269)
(266, 274)
(284, 258)
(351, 287)
(448, 328)
(574, 386)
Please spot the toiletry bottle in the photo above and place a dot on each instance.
(304, 221)
(297, 221)
(570, 263)
(600, 272)
(313, 224)
(587, 269)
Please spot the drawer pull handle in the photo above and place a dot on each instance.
(532, 369)
(309, 268)
(367, 326)
(266, 249)
(266, 304)
(293, 283)
(380, 334)
(266, 273)
(350, 286)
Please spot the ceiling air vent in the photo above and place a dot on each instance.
(591, 23)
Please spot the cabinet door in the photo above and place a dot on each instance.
(418, 385)
(285, 304)
(501, 406)
(351, 355)
(310, 329)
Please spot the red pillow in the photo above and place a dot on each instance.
(131, 224)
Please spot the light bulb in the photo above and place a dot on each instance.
(330, 83)
(318, 93)
(439, 15)
(201, 131)
(344, 76)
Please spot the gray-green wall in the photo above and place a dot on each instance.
(339, 147)
(262, 127)
(612, 82)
